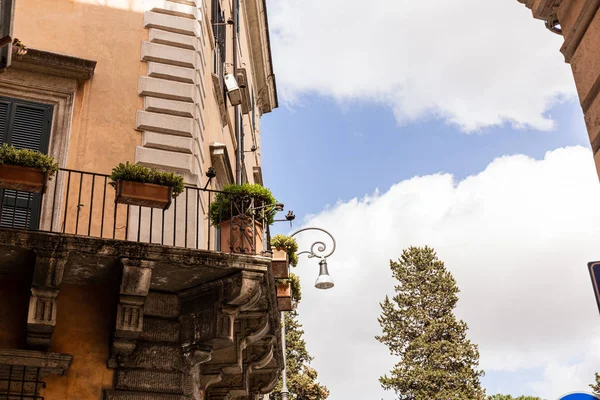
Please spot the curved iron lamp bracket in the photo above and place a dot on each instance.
(317, 249)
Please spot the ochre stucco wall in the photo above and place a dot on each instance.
(103, 131)
(82, 329)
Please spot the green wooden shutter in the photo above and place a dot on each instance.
(3, 119)
(24, 125)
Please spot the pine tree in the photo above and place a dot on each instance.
(596, 386)
(302, 378)
(437, 361)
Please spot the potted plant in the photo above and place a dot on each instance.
(239, 211)
(141, 186)
(288, 292)
(284, 254)
(25, 170)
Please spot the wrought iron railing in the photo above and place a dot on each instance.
(83, 203)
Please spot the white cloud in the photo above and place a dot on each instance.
(516, 236)
(472, 63)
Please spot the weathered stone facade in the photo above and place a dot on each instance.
(188, 324)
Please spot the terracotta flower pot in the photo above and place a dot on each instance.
(285, 304)
(284, 296)
(143, 194)
(241, 235)
(281, 264)
(21, 178)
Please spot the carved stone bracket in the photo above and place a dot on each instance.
(41, 317)
(135, 285)
(209, 311)
(201, 383)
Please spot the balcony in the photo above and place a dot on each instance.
(83, 204)
(201, 297)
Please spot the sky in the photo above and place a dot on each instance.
(449, 124)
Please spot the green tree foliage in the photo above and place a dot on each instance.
(596, 386)
(302, 378)
(437, 361)
(509, 397)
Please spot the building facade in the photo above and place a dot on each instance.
(578, 21)
(101, 300)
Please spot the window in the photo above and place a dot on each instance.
(24, 125)
(220, 33)
(19, 382)
(6, 15)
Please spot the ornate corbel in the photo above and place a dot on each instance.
(202, 382)
(135, 285)
(41, 317)
(209, 311)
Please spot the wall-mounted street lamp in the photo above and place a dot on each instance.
(317, 250)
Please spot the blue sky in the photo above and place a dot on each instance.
(431, 123)
(322, 152)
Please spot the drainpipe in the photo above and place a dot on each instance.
(239, 157)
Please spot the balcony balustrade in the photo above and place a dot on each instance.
(83, 203)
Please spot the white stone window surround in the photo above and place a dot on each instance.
(49, 78)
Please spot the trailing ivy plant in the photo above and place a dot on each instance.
(139, 173)
(237, 199)
(289, 243)
(28, 158)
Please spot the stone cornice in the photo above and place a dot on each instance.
(541, 9)
(575, 35)
(262, 61)
(55, 64)
(49, 363)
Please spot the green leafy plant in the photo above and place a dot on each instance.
(289, 243)
(237, 199)
(28, 158)
(139, 173)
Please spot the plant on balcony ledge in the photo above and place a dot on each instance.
(240, 211)
(288, 292)
(25, 170)
(142, 186)
(287, 243)
(284, 254)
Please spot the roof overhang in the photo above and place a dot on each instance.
(262, 62)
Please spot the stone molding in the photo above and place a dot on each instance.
(50, 63)
(48, 363)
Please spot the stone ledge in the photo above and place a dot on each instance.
(50, 363)
(55, 64)
(93, 260)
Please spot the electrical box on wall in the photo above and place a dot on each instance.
(233, 90)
